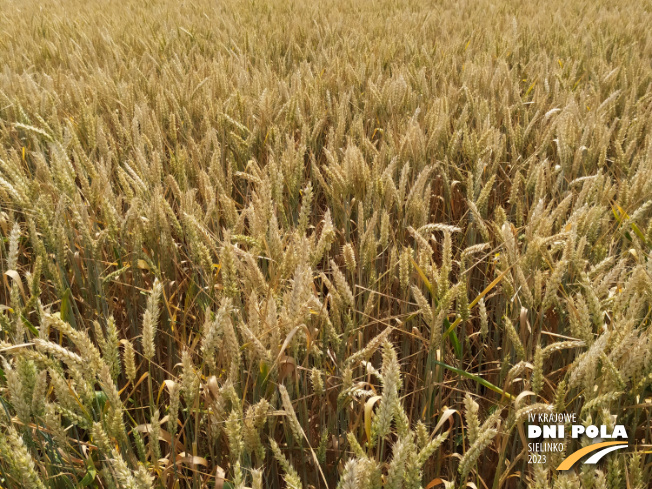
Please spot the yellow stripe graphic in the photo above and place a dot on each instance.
(575, 456)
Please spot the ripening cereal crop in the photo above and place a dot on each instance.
(323, 244)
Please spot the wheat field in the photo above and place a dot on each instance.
(326, 244)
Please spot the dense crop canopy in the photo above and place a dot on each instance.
(344, 244)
